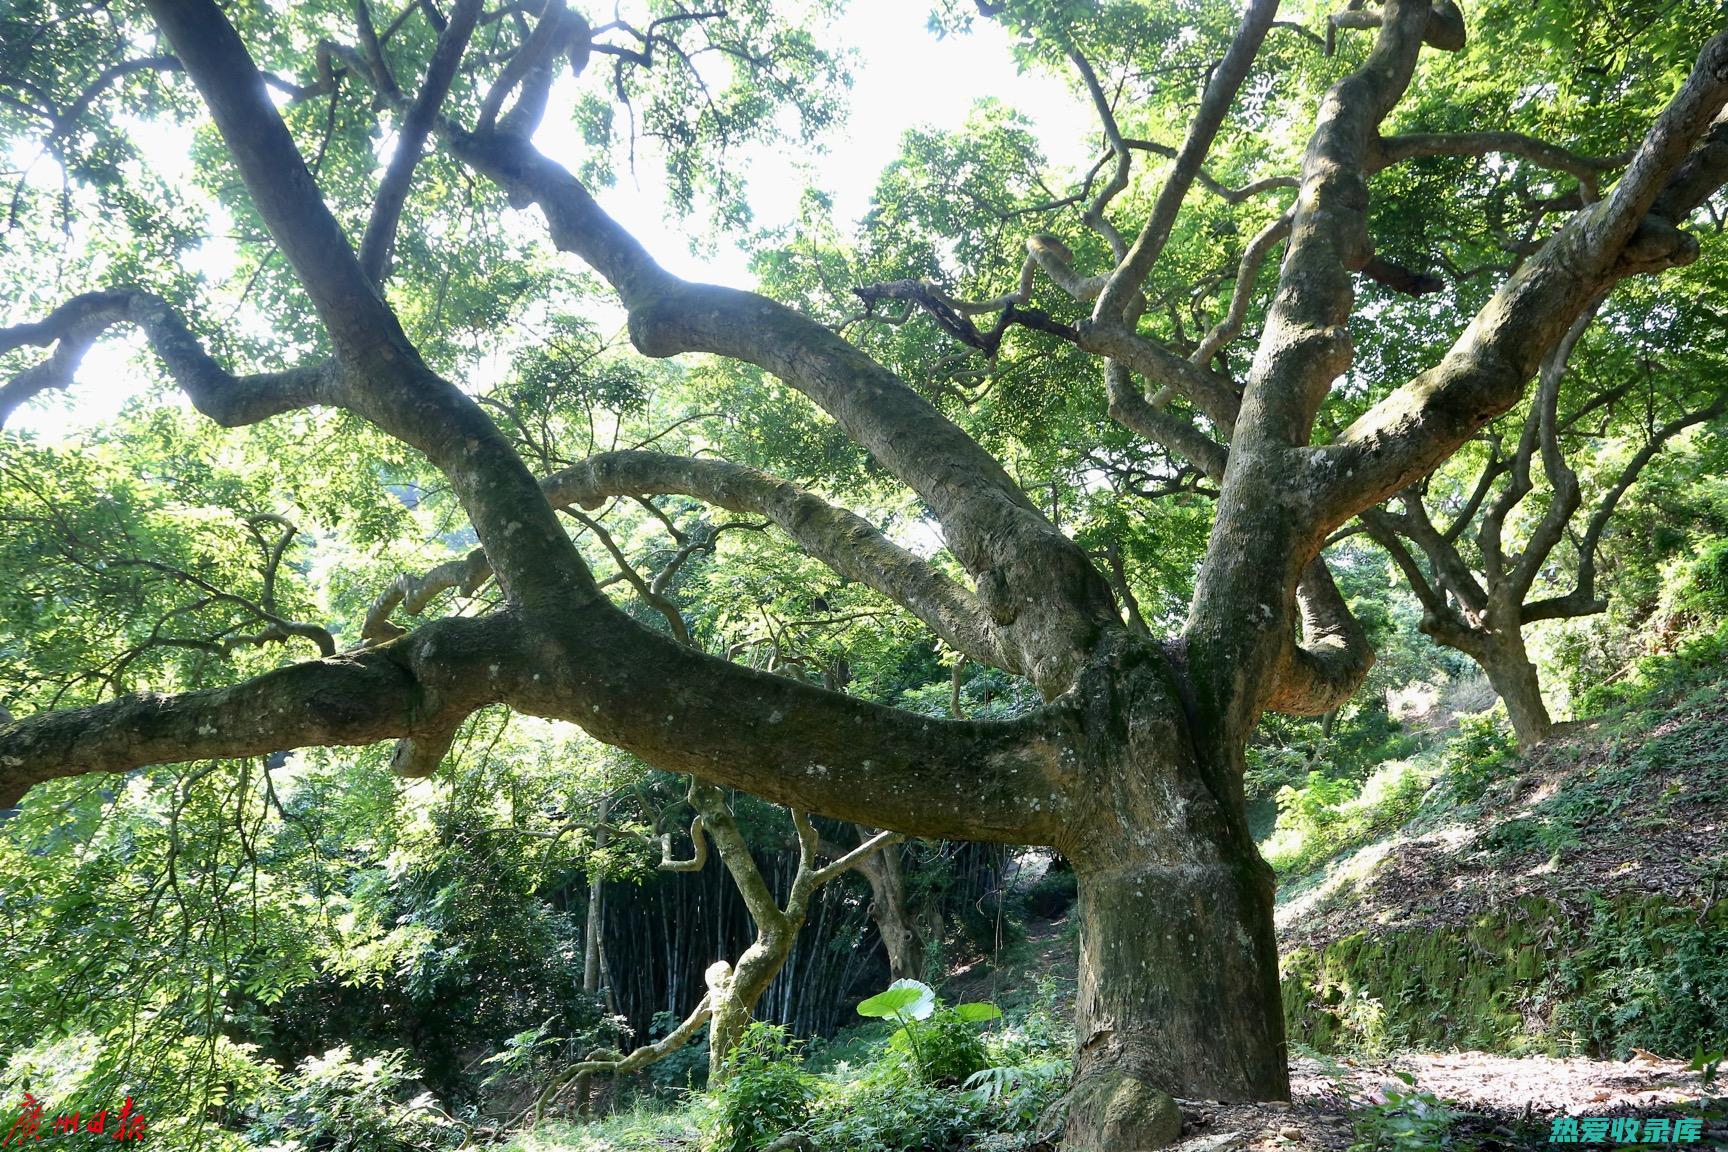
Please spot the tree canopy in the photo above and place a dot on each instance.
(1080, 439)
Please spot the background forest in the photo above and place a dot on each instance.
(1510, 840)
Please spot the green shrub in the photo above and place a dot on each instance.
(1482, 754)
(1020, 1094)
(942, 1050)
(886, 1115)
(1327, 816)
(1696, 659)
(936, 1044)
(1406, 1119)
(1705, 590)
(1052, 894)
(767, 1094)
(336, 1103)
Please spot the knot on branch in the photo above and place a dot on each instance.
(717, 977)
(1657, 245)
(417, 757)
(996, 598)
(1445, 29)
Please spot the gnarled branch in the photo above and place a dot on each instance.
(394, 691)
(229, 400)
(1633, 230)
(1324, 670)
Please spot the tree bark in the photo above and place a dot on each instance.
(1178, 993)
(1514, 676)
(902, 937)
(1178, 996)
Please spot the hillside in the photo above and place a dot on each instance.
(1573, 907)
(1541, 950)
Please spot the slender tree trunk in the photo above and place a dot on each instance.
(596, 905)
(591, 961)
(736, 993)
(1513, 675)
(901, 936)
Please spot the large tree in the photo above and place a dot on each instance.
(1133, 767)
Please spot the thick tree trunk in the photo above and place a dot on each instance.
(1178, 993)
(1514, 677)
(1496, 644)
(1178, 997)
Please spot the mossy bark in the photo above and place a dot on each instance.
(1178, 990)
(1178, 997)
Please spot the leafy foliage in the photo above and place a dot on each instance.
(766, 1094)
(337, 1102)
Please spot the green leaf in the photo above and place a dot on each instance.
(904, 1000)
(977, 1013)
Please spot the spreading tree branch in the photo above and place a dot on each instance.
(1633, 230)
(231, 401)
(845, 542)
(380, 238)
(1221, 88)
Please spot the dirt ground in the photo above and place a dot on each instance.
(1503, 1103)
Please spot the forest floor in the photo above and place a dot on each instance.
(1466, 1099)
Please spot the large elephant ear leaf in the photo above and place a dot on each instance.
(977, 1013)
(903, 1000)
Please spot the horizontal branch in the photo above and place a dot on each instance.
(784, 740)
(231, 401)
(1389, 150)
(1218, 188)
(609, 1063)
(394, 691)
